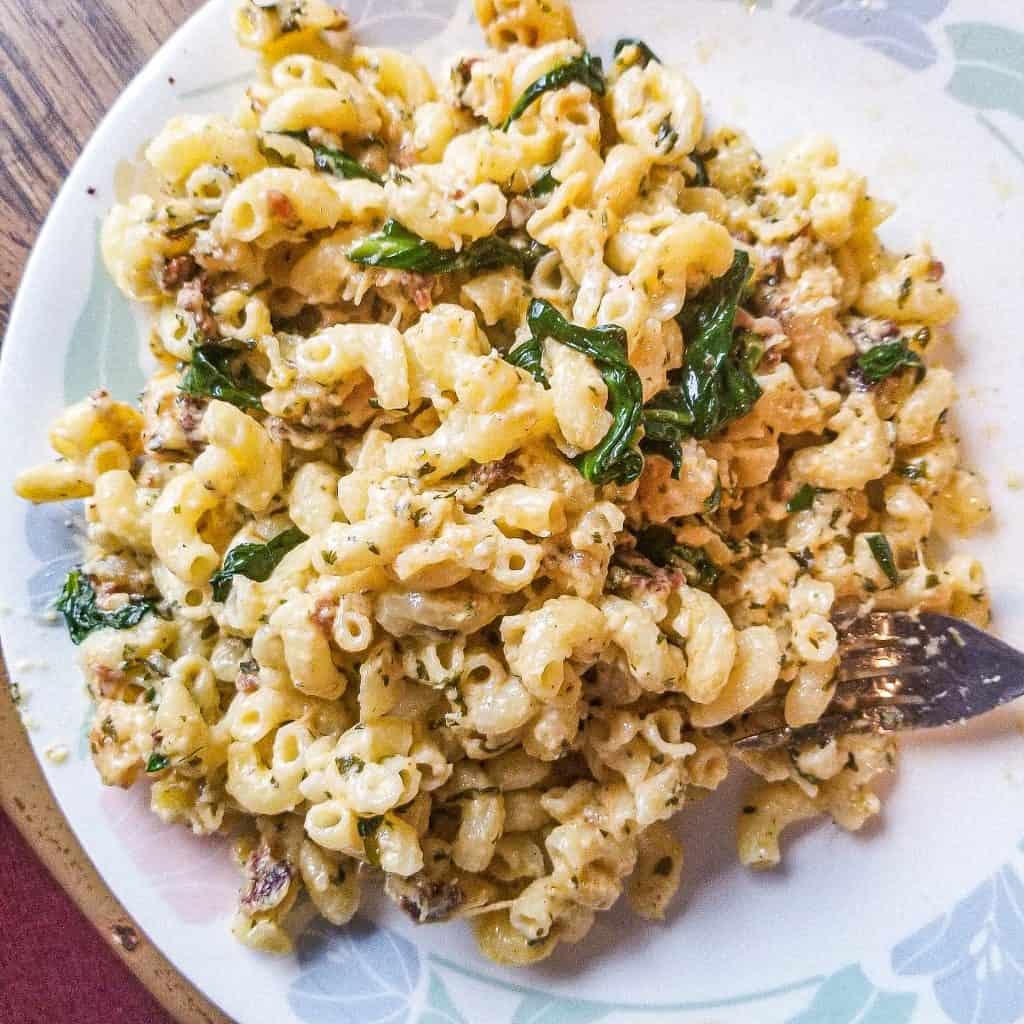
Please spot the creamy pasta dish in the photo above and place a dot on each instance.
(513, 437)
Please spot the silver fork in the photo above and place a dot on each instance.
(900, 671)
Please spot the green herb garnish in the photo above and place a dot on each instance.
(209, 375)
(183, 229)
(367, 828)
(701, 178)
(397, 248)
(334, 161)
(879, 545)
(884, 360)
(77, 603)
(350, 763)
(254, 561)
(913, 470)
(157, 763)
(585, 69)
(802, 500)
(644, 52)
(667, 136)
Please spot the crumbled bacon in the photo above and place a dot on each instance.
(193, 297)
(281, 208)
(421, 287)
(322, 615)
(176, 272)
(936, 271)
(631, 571)
(109, 680)
(247, 682)
(188, 411)
(267, 880)
(495, 474)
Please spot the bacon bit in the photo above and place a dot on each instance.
(495, 474)
(421, 287)
(247, 682)
(936, 271)
(176, 272)
(188, 411)
(771, 359)
(268, 881)
(110, 680)
(193, 297)
(323, 614)
(281, 207)
(630, 571)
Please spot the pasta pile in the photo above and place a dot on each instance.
(512, 440)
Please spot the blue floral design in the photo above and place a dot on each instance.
(540, 1008)
(895, 28)
(365, 974)
(974, 954)
(360, 974)
(49, 537)
(847, 997)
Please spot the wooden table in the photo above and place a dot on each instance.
(62, 64)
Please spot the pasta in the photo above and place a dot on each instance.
(513, 438)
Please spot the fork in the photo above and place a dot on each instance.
(900, 671)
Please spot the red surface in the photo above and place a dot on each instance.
(54, 966)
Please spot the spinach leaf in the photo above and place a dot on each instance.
(615, 459)
(644, 53)
(667, 423)
(209, 375)
(397, 248)
(254, 561)
(527, 356)
(879, 545)
(884, 360)
(718, 389)
(658, 544)
(334, 161)
(585, 68)
(77, 603)
(715, 385)
(543, 186)
(802, 500)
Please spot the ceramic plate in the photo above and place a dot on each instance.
(921, 918)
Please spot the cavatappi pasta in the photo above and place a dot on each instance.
(513, 437)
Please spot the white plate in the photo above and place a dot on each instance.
(922, 919)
